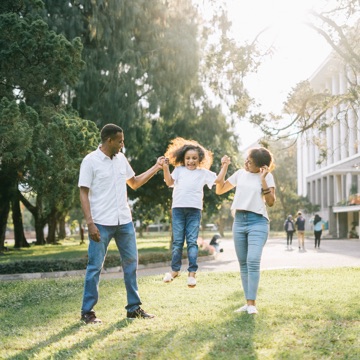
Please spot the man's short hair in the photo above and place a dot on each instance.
(109, 131)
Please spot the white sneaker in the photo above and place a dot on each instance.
(191, 281)
(169, 278)
(251, 309)
(242, 309)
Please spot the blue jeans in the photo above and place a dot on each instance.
(125, 239)
(250, 232)
(185, 224)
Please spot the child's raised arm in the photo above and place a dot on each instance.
(167, 176)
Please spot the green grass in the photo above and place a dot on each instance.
(303, 314)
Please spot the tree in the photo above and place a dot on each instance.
(53, 177)
(154, 68)
(16, 127)
(37, 66)
(339, 24)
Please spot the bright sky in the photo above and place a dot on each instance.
(299, 51)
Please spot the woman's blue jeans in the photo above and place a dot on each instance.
(250, 233)
(125, 239)
(185, 224)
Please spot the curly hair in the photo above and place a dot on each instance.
(179, 146)
(262, 156)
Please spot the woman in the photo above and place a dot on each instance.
(289, 226)
(255, 188)
(318, 224)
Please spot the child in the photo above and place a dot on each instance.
(191, 161)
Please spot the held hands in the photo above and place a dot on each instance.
(166, 162)
(225, 160)
(160, 162)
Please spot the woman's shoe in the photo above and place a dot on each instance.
(242, 309)
(251, 309)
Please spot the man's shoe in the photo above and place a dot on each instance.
(90, 318)
(139, 314)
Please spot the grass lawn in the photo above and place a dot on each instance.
(303, 314)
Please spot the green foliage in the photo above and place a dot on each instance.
(147, 66)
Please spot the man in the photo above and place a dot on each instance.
(300, 226)
(104, 174)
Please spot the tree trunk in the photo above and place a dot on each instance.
(36, 213)
(19, 236)
(62, 230)
(51, 238)
(4, 213)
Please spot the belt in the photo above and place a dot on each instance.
(242, 211)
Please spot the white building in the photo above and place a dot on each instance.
(334, 182)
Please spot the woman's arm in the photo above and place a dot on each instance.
(269, 196)
(268, 193)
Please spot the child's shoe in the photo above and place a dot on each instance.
(169, 277)
(191, 281)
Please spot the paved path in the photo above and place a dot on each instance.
(333, 253)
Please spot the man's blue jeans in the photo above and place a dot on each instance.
(125, 239)
(250, 232)
(185, 224)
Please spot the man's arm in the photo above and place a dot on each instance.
(85, 205)
(136, 181)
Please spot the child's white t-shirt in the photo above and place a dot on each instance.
(189, 186)
(248, 191)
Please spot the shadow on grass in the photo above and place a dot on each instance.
(72, 330)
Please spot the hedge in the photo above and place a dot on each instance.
(38, 266)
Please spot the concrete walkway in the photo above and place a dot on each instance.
(333, 253)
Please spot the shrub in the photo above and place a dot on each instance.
(36, 266)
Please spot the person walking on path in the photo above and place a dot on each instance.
(191, 174)
(318, 224)
(255, 189)
(104, 174)
(300, 227)
(289, 227)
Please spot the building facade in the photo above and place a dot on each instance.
(333, 181)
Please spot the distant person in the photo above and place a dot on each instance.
(289, 226)
(318, 224)
(255, 190)
(104, 174)
(215, 243)
(300, 227)
(192, 162)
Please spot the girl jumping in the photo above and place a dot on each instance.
(192, 162)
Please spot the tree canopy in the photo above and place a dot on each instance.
(158, 69)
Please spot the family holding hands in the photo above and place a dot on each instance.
(104, 174)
